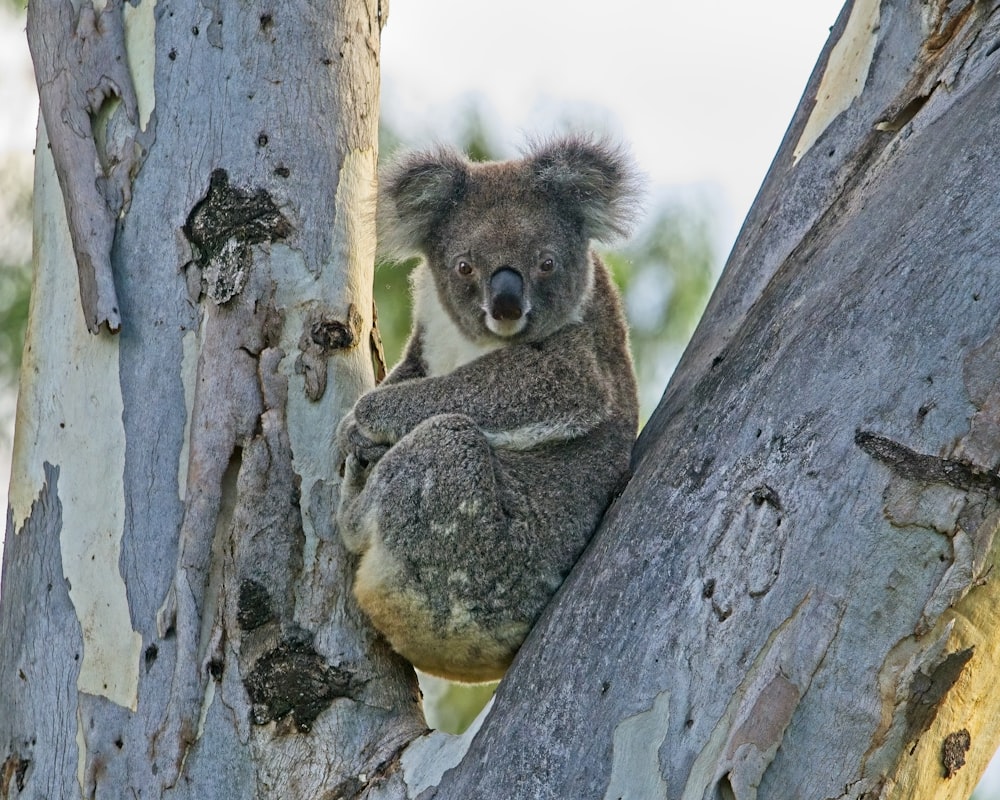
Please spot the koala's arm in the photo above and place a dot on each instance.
(518, 396)
(351, 438)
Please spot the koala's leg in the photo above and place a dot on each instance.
(417, 482)
(439, 552)
(359, 458)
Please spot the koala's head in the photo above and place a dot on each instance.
(508, 242)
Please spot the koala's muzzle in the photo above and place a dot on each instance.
(506, 301)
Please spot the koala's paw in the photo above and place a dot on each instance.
(355, 442)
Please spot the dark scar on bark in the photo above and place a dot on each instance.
(223, 227)
(294, 682)
(928, 691)
(254, 606)
(916, 466)
(231, 212)
(953, 750)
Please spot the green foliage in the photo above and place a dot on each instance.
(392, 299)
(15, 266)
(475, 138)
(15, 287)
(451, 707)
(665, 274)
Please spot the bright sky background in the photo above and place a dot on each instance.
(702, 92)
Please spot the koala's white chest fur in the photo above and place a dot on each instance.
(444, 346)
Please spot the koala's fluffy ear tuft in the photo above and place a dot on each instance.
(592, 180)
(415, 194)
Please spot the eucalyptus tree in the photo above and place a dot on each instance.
(791, 598)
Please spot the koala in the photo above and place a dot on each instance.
(476, 473)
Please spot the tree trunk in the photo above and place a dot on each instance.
(175, 609)
(795, 595)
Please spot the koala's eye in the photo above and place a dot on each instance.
(463, 267)
(548, 264)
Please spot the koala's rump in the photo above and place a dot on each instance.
(458, 648)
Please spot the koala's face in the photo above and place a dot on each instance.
(508, 242)
(505, 262)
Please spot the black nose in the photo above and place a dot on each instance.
(506, 295)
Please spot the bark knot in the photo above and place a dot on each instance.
(765, 494)
(953, 751)
(323, 334)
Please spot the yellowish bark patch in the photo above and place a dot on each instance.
(846, 72)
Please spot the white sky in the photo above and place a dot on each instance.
(701, 91)
(18, 104)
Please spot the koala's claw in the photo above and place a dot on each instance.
(369, 455)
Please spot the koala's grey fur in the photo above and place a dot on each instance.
(478, 470)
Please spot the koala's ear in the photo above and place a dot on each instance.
(593, 181)
(416, 192)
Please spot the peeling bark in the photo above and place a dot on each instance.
(90, 108)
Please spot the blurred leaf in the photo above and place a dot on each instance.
(666, 274)
(474, 139)
(15, 262)
(451, 707)
(15, 288)
(392, 298)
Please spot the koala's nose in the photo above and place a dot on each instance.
(506, 295)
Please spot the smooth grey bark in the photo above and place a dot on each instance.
(793, 597)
